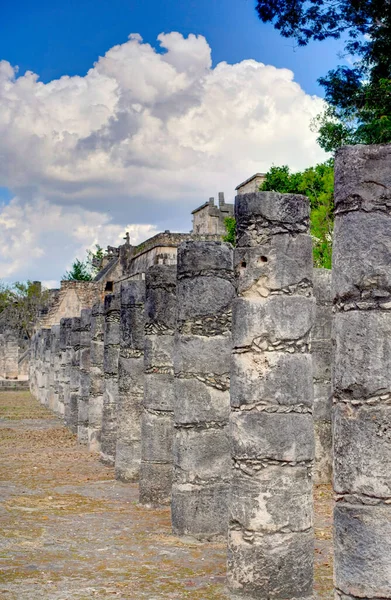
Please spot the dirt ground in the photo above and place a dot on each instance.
(68, 530)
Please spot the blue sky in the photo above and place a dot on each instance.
(121, 137)
(55, 38)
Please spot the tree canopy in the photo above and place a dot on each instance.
(21, 303)
(358, 96)
(86, 270)
(318, 184)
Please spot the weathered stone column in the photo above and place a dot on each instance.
(11, 355)
(321, 350)
(270, 546)
(131, 381)
(64, 374)
(157, 423)
(74, 380)
(110, 367)
(205, 290)
(362, 372)
(2, 355)
(53, 368)
(85, 365)
(97, 379)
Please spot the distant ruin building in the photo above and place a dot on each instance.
(209, 219)
(252, 184)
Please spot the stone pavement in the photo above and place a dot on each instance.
(68, 530)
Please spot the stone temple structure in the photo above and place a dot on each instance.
(217, 377)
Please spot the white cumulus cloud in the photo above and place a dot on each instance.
(143, 138)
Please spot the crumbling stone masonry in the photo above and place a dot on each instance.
(362, 372)
(110, 367)
(64, 373)
(71, 415)
(157, 424)
(54, 368)
(130, 381)
(205, 290)
(97, 379)
(321, 350)
(270, 545)
(84, 382)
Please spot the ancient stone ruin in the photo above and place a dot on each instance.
(205, 372)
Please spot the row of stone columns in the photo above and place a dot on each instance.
(201, 385)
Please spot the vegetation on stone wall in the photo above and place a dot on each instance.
(86, 270)
(21, 303)
(318, 184)
(358, 96)
(230, 226)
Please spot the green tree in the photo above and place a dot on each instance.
(21, 304)
(358, 97)
(318, 184)
(80, 271)
(86, 270)
(230, 227)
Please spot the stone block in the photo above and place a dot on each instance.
(323, 401)
(200, 510)
(273, 500)
(196, 257)
(200, 455)
(283, 437)
(362, 450)
(278, 566)
(362, 363)
(127, 461)
(277, 318)
(159, 392)
(155, 483)
(200, 403)
(361, 254)
(157, 434)
(158, 351)
(321, 351)
(282, 262)
(276, 378)
(362, 177)
(214, 295)
(362, 546)
(196, 354)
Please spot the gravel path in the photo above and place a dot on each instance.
(68, 530)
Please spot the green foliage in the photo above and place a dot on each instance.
(20, 305)
(318, 184)
(358, 97)
(230, 227)
(86, 270)
(94, 259)
(80, 271)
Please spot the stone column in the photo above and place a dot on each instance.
(362, 372)
(2, 355)
(85, 365)
(97, 380)
(53, 401)
(64, 374)
(205, 291)
(157, 423)
(74, 380)
(110, 367)
(270, 545)
(131, 381)
(11, 355)
(321, 350)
